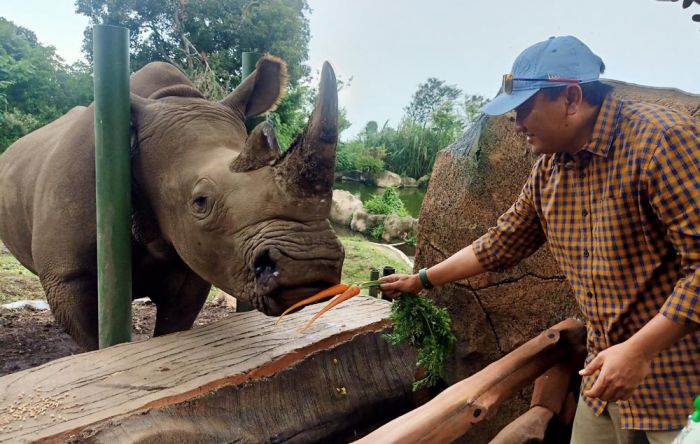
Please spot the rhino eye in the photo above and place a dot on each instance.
(200, 205)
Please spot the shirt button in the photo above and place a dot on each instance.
(585, 252)
(584, 213)
(582, 175)
(589, 294)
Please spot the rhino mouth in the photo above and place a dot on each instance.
(280, 282)
(275, 302)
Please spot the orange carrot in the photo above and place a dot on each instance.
(331, 291)
(353, 290)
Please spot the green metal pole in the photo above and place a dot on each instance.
(113, 179)
(248, 61)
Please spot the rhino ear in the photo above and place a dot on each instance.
(138, 105)
(261, 149)
(262, 90)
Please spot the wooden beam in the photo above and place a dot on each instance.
(242, 378)
(451, 413)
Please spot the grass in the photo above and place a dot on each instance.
(361, 257)
(17, 283)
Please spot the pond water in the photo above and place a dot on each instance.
(412, 197)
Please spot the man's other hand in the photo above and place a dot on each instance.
(622, 370)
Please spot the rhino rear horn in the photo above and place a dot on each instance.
(262, 90)
(308, 167)
(261, 148)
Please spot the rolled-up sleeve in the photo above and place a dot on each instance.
(673, 178)
(517, 234)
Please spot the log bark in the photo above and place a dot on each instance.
(241, 379)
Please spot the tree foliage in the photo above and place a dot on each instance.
(206, 39)
(355, 156)
(36, 86)
(436, 116)
(686, 4)
(431, 96)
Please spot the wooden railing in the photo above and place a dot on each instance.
(552, 358)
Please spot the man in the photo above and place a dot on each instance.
(616, 193)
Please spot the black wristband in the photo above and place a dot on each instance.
(423, 275)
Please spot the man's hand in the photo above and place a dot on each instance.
(622, 369)
(395, 284)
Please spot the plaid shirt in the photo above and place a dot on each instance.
(622, 218)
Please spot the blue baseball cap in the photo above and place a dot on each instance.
(554, 62)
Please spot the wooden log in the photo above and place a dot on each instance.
(528, 428)
(241, 379)
(549, 403)
(450, 414)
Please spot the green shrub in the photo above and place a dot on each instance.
(377, 231)
(355, 156)
(387, 203)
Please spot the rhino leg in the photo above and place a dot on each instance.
(179, 297)
(73, 303)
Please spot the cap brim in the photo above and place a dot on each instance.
(503, 103)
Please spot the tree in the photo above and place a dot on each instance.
(206, 39)
(430, 96)
(472, 107)
(36, 86)
(686, 5)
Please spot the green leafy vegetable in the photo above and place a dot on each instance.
(422, 325)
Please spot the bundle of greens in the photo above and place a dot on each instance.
(422, 325)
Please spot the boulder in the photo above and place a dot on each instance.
(408, 182)
(422, 182)
(344, 205)
(397, 228)
(355, 176)
(387, 179)
(365, 222)
(472, 183)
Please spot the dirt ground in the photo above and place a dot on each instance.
(29, 338)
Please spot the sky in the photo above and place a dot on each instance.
(387, 48)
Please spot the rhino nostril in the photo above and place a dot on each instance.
(264, 265)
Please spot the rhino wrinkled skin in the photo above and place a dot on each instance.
(212, 205)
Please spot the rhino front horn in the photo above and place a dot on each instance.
(308, 168)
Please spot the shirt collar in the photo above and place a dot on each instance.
(603, 134)
(605, 127)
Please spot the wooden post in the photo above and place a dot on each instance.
(373, 276)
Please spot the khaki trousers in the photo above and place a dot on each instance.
(605, 429)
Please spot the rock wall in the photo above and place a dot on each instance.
(473, 182)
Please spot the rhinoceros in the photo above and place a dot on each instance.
(211, 204)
